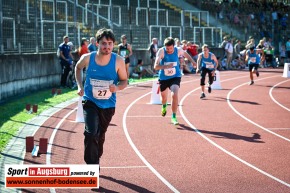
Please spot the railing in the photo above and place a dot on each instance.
(48, 20)
(194, 13)
(147, 10)
(14, 30)
(109, 8)
(200, 36)
(162, 34)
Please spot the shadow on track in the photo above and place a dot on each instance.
(255, 138)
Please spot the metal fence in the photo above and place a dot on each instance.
(39, 25)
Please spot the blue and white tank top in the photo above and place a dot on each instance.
(254, 58)
(98, 79)
(207, 62)
(165, 74)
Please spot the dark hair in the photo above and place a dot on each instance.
(169, 41)
(83, 41)
(104, 32)
(139, 61)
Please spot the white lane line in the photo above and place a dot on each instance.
(256, 124)
(135, 148)
(138, 152)
(278, 129)
(270, 93)
(51, 139)
(123, 167)
(49, 147)
(221, 148)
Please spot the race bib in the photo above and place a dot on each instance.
(123, 53)
(253, 59)
(209, 65)
(100, 88)
(170, 71)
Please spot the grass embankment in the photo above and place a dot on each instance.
(13, 114)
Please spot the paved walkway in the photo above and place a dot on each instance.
(14, 153)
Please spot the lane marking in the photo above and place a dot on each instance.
(279, 129)
(171, 187)
(270, 93)
(244, 117)
(123, 167)
(51, 139)
(221, 148)
(136, 149)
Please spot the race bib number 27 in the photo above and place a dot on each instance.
(100, 88)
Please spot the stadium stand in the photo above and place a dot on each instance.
(38, 25)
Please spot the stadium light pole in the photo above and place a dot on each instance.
(1, 28)
(75, 21)
(36, 26)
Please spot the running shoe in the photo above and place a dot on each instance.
(174, 121)
(163, 111)
(257, 73)
(251, 83)
(209, 89)
(202, 95)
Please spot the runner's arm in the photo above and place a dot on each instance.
(198, 63)
(130, 50)
(159, 56)
(121, 71)
(213, 57)
(82, 63)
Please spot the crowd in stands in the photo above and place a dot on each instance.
(257, 17)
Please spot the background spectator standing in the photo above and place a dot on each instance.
(223, 44)
(83, 49)
(66, 60)
(229, 49)
(125, 50)
(288, 50)
(282, 55)
(92, 46)
(153, 50)
(237, 48)
(192, 49)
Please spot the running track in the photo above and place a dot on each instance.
(235, 140)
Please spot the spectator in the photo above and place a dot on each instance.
(237, 48)
(192, 49)
(288, 49)
(142, 71)
(229, 51)
(153, 50)
(125, 50)
(238, 63)
(83, 49)
(66, 59)
(177, 42)
(92, 46)
(282, 55)
(187, 67)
